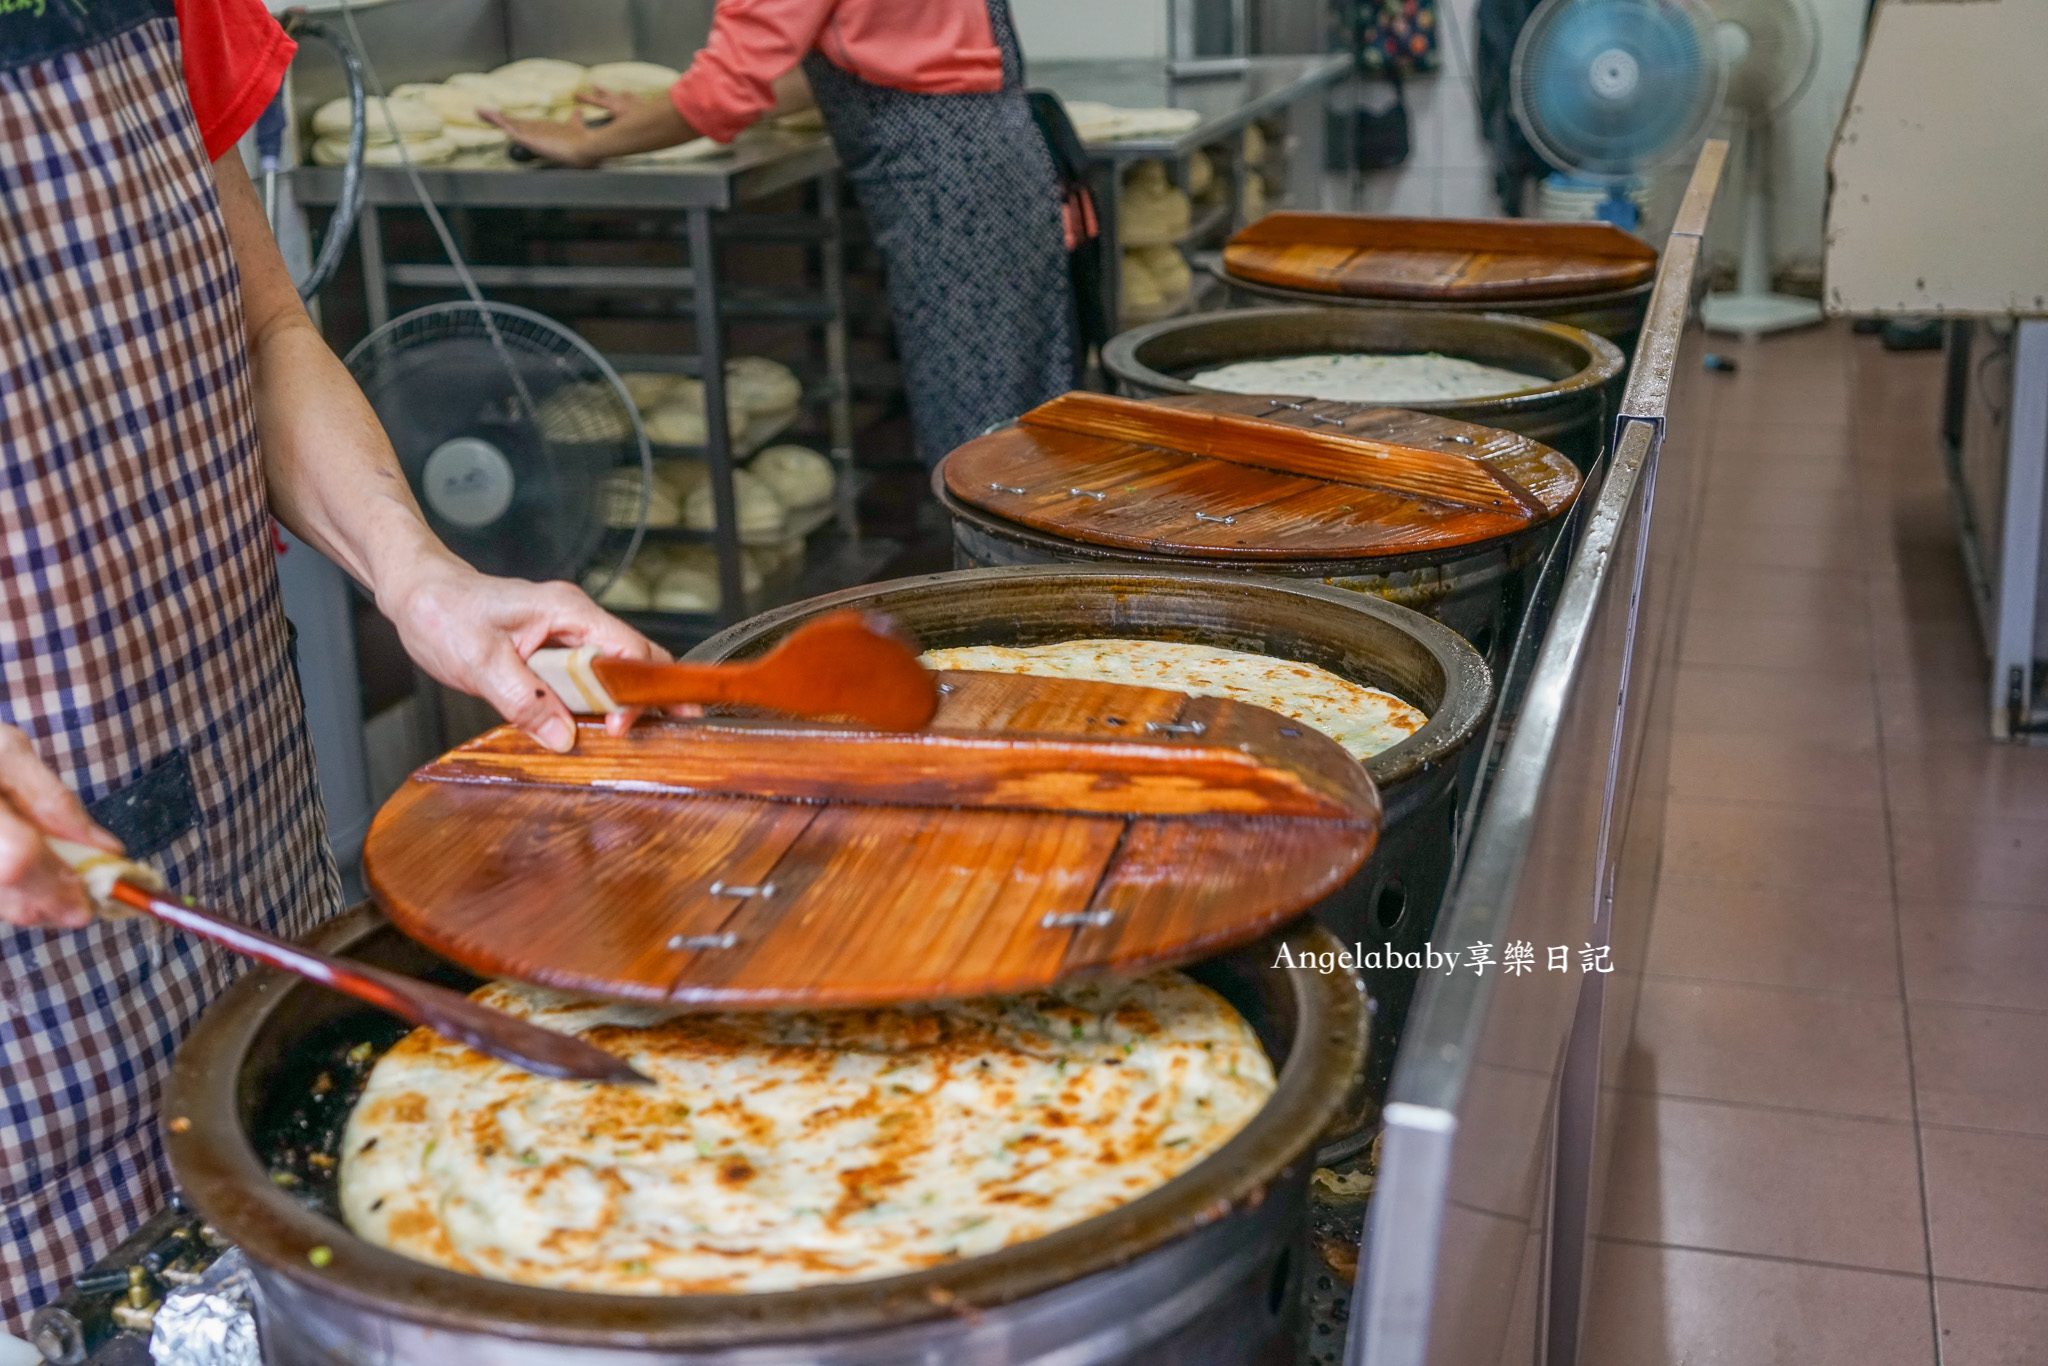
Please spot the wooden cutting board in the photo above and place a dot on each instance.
(1448, 259)
(1038, 829)
(1237, 476)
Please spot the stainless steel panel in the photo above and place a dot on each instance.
(1487, 1224)
(414, 40)
(592, 31)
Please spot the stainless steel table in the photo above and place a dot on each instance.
(1227, 105)
(707, 193)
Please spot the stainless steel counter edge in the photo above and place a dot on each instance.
(749, 173)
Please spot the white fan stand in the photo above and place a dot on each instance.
(1753, 309)
(1770, 48)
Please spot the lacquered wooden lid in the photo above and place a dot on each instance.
(1038, 829)
(1234, 476)
(1466, 260)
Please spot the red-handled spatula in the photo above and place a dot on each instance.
(119, 886)
(852, 666)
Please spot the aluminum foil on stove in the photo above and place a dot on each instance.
(211, 1322)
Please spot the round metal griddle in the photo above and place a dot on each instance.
(1207, 1253)
(1571, 414)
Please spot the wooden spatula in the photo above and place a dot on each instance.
(848, 666)
(120, 886)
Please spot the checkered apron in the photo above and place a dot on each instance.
(143, 648)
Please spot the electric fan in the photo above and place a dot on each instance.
(518, 438)
(1609, 89)
(1770, 48)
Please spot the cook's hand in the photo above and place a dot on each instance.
(637, 124)
(35, 886)
(474, 632)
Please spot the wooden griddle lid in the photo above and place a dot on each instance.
(1465, 260)
(1038, 829)
(1236, 476)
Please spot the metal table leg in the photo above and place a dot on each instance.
(839, 410)
(376, 287)
(718, 434)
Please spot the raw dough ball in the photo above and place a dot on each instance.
(1140, 290)
(514, 98)
(763, 385)
(584, 414)
(689, 393)
(1254, 145)
(800, 476)
(761, 512)
(675, 424)
(427, 151)
(627, 593)
(704, 560)
(648, 388)
(468, 139)
(1152, 210)
(1254, 207)
(1168, 269)
(1201, 174)
(684, 476)
(456, 106)
(686, 590)
(619, 496)
(650, 79)
(558, 80)
(414, 118)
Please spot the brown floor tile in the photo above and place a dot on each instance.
(1775, 936)
(1975, 859)
(1920, 648)
(1736, 509)
(1783, 846)
(1734, 1179)
(1790, 771)
(1807, 593)
(1715, 700)
(1984, 1325)
(1962, 780)
(1983, 1069)
(1949, 709)
(1836, 646)
(1987, 1206)
(1667, 1306)
(1964, 953)
(1770, 545)
(1747, 476)
(1779, 441)
(1845, 1055)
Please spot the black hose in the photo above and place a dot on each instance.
(349, 202)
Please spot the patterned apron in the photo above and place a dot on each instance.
(959, 193)
(142, 643)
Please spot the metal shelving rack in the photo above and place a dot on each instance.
(706, 196)
(1228, 103)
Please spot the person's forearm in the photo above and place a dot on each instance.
(332, 477)
(647, 125)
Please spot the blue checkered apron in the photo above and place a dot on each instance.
(142, 644)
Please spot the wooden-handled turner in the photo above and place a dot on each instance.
(852, 666)
(119, 886)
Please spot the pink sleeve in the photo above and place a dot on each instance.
(730, 82)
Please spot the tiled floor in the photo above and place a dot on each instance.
(1835, 1144)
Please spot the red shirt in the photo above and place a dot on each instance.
(235, 57)
(932, 47)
